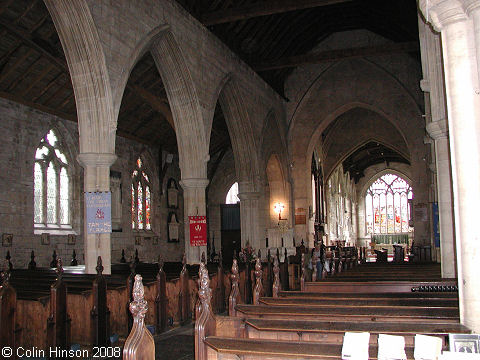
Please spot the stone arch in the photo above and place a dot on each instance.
(90, 79)
(278, 189)
(241, 135)
(344, 86)
(354, 148)
(184, 104)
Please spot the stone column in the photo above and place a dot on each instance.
(249, 218)
(96, 178)
(433, 85)
(194, 204)
(472, 8)
(463, 103)
(438, 131)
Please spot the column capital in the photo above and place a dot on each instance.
(251, 195)
(437, 129)
(96, 159)
(471, 5)
(441, 13)
(194, 183)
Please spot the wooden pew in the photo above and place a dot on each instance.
(161, 300)
(100, 314)
(139, 344)
(8, 308)
(184, 297)
(59, 322)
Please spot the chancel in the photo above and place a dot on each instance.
(330, 149)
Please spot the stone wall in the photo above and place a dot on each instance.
(23, 128)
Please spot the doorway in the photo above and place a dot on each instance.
(231, 235)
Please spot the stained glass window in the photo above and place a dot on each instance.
(232, 195)
(147, 208)
(133, 207)
(387, 207)
(141, 198)
(139, 206)
(51, 183)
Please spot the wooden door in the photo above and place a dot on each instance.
(231, 235)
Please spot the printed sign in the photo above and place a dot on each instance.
(198, 230)
(98, 207)
(300, 216)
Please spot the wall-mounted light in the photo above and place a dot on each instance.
(278, 208)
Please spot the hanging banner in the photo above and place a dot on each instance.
(198, 230)
(98, 207)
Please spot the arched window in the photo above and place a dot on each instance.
(232, 195)
(141, 198)
(51, 184)
(387, 206)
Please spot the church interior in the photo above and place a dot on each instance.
(171, 138)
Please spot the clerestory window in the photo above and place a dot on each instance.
(51, 184)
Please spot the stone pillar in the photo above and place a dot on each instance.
(433, 85)
(463, 103)
(472, 8)
(249, 219)
(194, 204)
(96, 178)
(438, 131)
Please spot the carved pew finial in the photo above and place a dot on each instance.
(234, 293)
(302, 276)
(59, 269)
(53, 263)
(137, 259)
(276, 277)
(205, 321)
(32, 265)
(184, 295)
(161, 298)
(99, 267)
(74, 261)
(203, 259)
(5, 276)
(139, 344)
(123, 260)
(8, 257)
(258, 282)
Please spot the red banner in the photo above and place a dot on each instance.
(198, 230)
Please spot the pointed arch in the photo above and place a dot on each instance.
(88, 71)
(184, 104)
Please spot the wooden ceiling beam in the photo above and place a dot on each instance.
(263, 8)
(27, 38)
(44, 73)
(335, 55)
(155, 102)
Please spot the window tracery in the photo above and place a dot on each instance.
(387, 206)
(51, 183)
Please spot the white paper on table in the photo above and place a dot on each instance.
(427, 347)
(355, 346)
(391, 347)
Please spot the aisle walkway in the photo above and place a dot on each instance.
(176, 344)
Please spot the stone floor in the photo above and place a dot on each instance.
(176, 344)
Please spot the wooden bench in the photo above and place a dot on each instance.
(219, 347)
(333, 331)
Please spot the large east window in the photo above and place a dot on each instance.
(387, 205)
(141, 198)
(51, 184)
